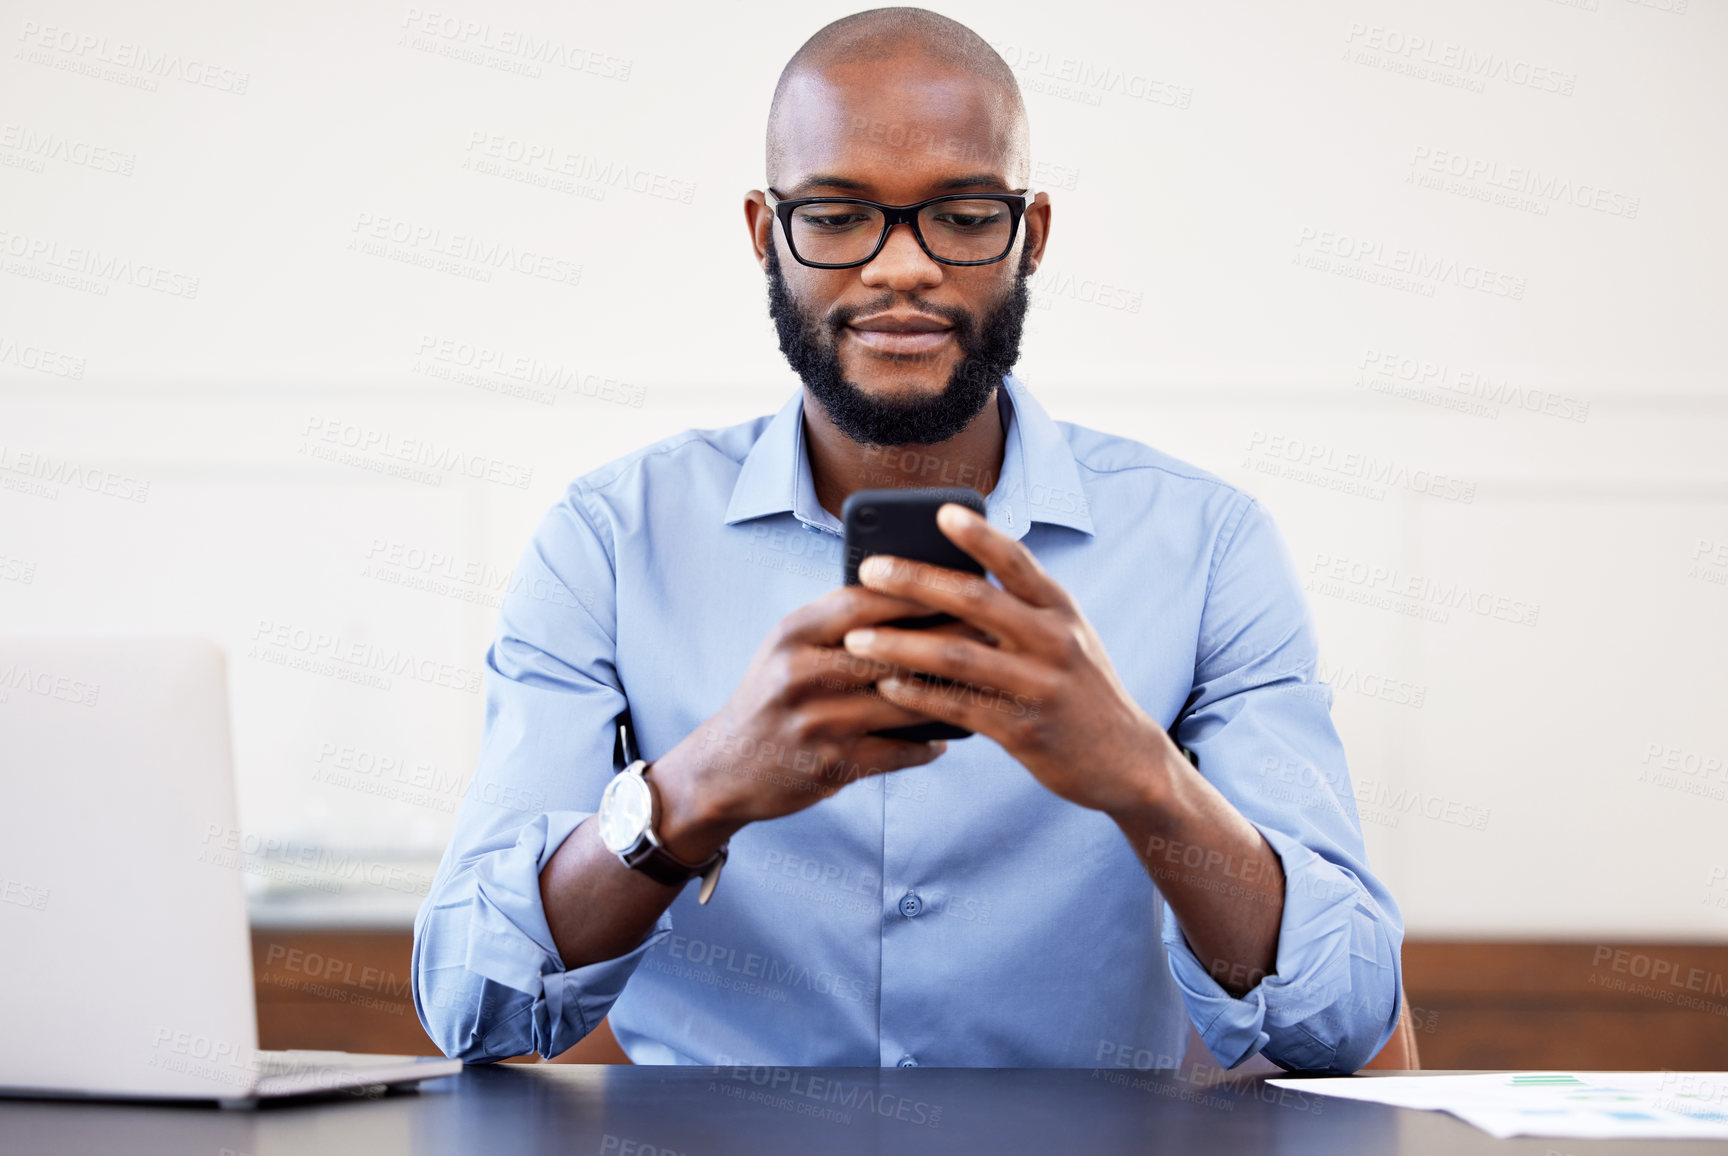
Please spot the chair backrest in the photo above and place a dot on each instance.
(1399, 1054)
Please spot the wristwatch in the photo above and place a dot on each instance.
(627, 820)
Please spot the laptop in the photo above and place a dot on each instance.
(125, 955)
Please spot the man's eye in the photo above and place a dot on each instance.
(967, 221)
(830, 221)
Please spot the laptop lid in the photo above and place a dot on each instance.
(125, 956)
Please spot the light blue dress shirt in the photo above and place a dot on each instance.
(952, 914)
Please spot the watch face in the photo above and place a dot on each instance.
(625, 812)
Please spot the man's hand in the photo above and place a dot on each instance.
(1045, 691)
(795, 730)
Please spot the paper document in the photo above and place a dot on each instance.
(1572, 1105)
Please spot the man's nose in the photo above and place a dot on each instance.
(902, 265)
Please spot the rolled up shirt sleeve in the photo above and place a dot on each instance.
(488, 980)
(1259, 722)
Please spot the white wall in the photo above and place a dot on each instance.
(1200, 157)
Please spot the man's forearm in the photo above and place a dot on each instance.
(597, 908)
(1222, 879)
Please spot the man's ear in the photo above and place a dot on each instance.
(1037, 226)
(760, 221)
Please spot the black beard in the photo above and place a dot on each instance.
(989, 351)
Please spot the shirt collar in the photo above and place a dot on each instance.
(1040, 481)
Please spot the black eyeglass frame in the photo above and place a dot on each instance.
(900, 214)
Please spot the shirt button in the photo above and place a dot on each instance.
(910, 906)
(908, 1062)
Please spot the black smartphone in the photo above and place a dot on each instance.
(902, 522)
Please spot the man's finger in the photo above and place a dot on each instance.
(1010, 560)
(944, 655)
(979, 709)
(863, 712)
(879, 756)
(826, 620)
(836, 668)
(969, 597)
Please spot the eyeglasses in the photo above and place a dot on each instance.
(844, 232)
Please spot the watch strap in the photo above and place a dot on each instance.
(711, 877)
(662, 866)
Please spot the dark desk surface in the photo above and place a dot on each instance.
(518, 1109)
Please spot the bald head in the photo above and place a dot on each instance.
(898, 79)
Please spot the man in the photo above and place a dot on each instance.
(1056, 890)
